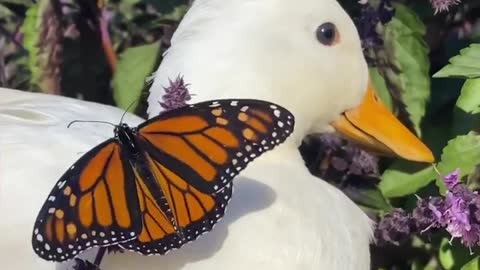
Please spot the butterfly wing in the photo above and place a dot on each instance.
(209, 143)
(194, 211)
(193, 154)
(91, 205)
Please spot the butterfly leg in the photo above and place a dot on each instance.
(84, 265)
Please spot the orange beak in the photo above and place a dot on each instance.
(374, 127)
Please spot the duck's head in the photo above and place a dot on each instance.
(304, 55)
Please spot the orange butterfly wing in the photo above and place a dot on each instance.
(194, 153)
(209, 143)
(91, 205)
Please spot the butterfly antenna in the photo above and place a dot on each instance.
(128, 108)
(88, 121)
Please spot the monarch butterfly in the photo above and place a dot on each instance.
(154, 188)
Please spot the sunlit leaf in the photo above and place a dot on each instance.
(406, 67)
(472, 265)
(464, 65)
(381, 88)
(453, 256)
(134, 66)
(404, 178)
(461, 152)
(467, 109)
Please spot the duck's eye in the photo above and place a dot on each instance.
(327, 34)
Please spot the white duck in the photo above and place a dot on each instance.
(280, 217)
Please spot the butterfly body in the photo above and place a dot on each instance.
(155, 187)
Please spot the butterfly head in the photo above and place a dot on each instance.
(126, 137)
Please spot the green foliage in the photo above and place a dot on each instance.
(135, 65)
(461, 152)
(381, 88)
(472, 265)
(406, 53)
(404, 178)
(467, 110)
(464, 65)
(30, 31)
(453, 255)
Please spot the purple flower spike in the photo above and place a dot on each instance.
(451, 179)
(443, 5)
(176, 94)
(394, 228)
(429, 214)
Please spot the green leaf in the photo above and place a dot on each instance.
(18, 2)
(381, 88)
(467, 110)
(461, 152)
(472, 265)
(464, 65)
(406, 63)
(31, 36)
(453, 256)
(404, 178)
(134, 66)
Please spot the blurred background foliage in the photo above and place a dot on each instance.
(103, 51)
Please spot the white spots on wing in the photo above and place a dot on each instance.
(35, 231)
(263, 142)
(280, 124)
(274, 134)
(214, 104)
(239, 154)
(273, 107)
(70, 246)
(84, 236)
(234, 161)
(252, 155)
(244, 109)
(94, 233)
(47, 247)
(276, 113)
(239, 168)
(51, 210)
(61, 184)
(88, 244)
(39, 238)
(248, 148)
(234, 103)
(59, 250)
(132, 234)
(102, 234)
(51, 198)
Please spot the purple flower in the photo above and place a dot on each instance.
(176, 94)
(443, 5)
(428, 214)
(451, 179)
(394, 228)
